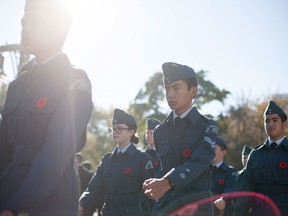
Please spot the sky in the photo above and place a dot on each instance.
(242, 45)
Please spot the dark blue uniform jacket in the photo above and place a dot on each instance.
(225, 181)
(186, 153)
(266, 173)
(44, 124)
(118, 183)
(155, 159)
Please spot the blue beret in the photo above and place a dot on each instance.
(273, 108)
(246, 150)
(220, 141)
(174, 72)
(121, 117)
(152, 123)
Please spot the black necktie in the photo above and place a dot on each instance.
(177, 120)
(120, 154)
(213, 168)
(273, 145)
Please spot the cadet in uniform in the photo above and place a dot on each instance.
(267, 167)
(224, 179)
(119, 177)
(84, 173)
(244, 157)
(45, 116)
(151, 123)
(185, 142)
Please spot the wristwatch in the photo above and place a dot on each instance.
(171, 184)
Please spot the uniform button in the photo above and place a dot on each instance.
(182, 175)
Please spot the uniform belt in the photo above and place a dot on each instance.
(24, 155)
(272, 189)
(122, 199)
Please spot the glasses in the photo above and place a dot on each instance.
(117, 130)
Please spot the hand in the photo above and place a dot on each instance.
(220, 203)
(7, 213)
(155, 188)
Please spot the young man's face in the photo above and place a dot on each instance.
(274, 127)
(219, 154)
(179, 97)
(42, 30)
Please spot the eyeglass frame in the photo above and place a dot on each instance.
(117, 130)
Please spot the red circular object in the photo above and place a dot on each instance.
(128, 170)
(221, 181)
(155, 163)
(187, 152)
(283, 165)
(41, 103)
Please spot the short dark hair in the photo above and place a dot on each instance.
(191, 82)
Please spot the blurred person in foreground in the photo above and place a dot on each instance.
(185, 143)
(44, 122)
(267, 168)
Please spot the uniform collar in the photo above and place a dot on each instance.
(130, 151)
(123, 149)
(218, 164)
(193, 115)
(53, 64)
(278, 142)
(282, 141)
(149, 148)
(183, 114)
(48, 59)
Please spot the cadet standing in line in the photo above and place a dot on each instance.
(119, 178)
(84, 173)
(151, 123)
(185, 142)
(267, 167)
(45, 116)
(244, 157)
(224, 179)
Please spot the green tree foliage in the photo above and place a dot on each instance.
(207, 91)
(148, 102)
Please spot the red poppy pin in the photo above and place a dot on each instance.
(155, 163)
(187, 152)
(221, 181)
(283, 165)
(41, 103)
(127, 170)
